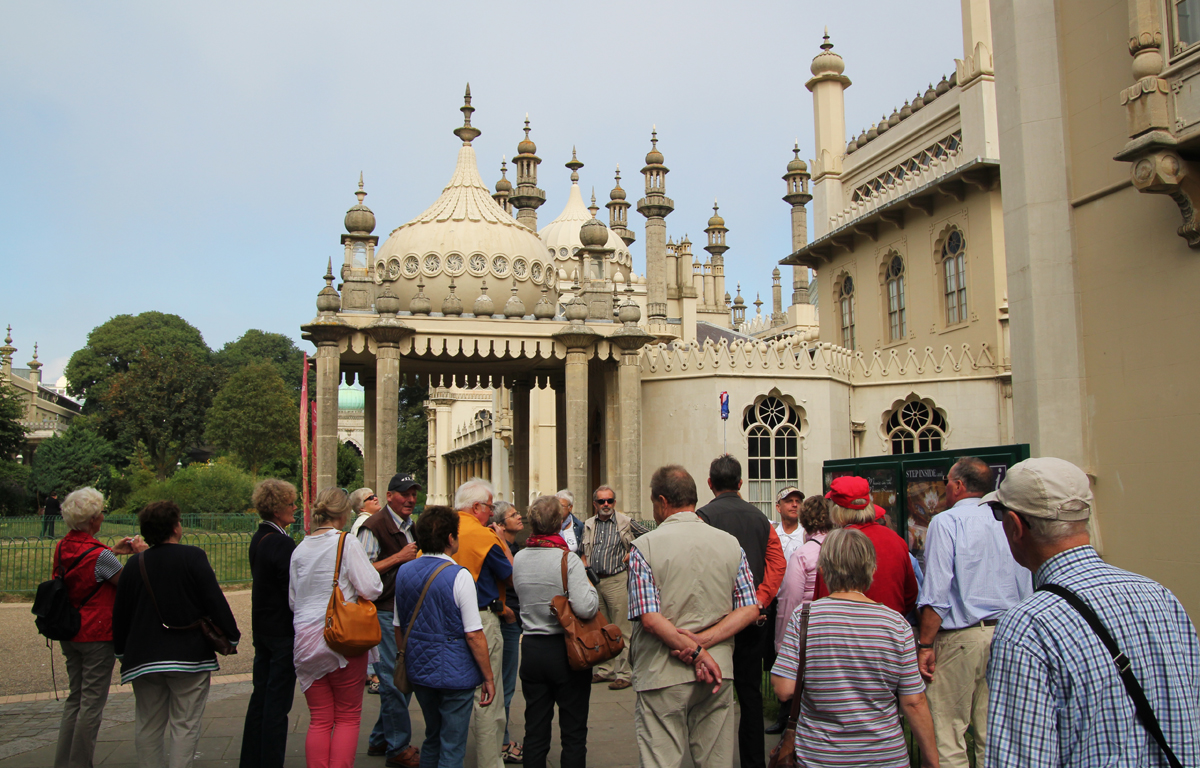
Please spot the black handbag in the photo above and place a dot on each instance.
(56, 617)
(212, 633)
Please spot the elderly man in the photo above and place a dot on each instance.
(971, 581)
(486, 556)
(607, 539)
(387, 536)
(788, 529)
(1056, 697)
(690, 591)
(572, 527)
(760, 543)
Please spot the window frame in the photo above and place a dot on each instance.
(772, 422)
(916, 426)
(847, 309)
(895, 305)
(956, 299)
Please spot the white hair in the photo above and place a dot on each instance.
(359, 498)
(474, 491)
(1053, 531)
(566, 496)
(500, 512)
(81, 507)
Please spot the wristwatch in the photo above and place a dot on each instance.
(695, 654)
(924, 646)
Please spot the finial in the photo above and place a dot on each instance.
(618, 174)
(714, 207)
(35, 350)
(574, 165)
(593, 207)
(526, 125)
(360, 194)
(329, 274)
(758, 302)
(8, 337)
(654, 137)
(825, 46)
(796, 149)
(503, 165)
(467, 133)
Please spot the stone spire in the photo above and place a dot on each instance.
(467, 132)
(574, 165)
(358, 246)
(797, 178)
(828, 86)
(777, 316)
(593, 208)
(618, 212)
(527, 198)
(6, 353)
(739, 309)
(503, 187)
(35, 365)
(656, 206)
(716, 231)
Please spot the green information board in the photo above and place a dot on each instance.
(912, 486)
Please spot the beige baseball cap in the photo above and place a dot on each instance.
(791, 489)
(1049, 488)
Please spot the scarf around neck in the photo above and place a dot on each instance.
(550, 541)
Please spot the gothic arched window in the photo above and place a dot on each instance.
(773, 449)
(845, 301)
(915, 427)
(954, 271)
(897, 314)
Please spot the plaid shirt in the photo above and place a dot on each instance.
(644, 596)
(1055, 696)
(608, 551)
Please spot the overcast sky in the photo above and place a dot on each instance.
(198, 158)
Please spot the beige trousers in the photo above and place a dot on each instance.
(169, 706)
(89, 668)
(614, 604)
(688, 714)
(958, 693)
(487, 723)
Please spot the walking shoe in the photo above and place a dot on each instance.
(374, 751)
(598, 679)
(774, 729)
(408, 757)
(619, 685)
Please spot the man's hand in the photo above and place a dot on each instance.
(926, 662)
(703, 639)
(508, 616)
(408, 554)
(487, 693)
(707, 670)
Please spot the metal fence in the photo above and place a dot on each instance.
(36, 526)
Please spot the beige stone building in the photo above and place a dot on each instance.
(48, 410)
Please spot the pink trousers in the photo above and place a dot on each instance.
(335, 709)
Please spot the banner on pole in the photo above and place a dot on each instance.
(724, 406)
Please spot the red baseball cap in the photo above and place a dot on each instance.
(850, 492)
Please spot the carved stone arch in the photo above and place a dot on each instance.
(354, 443)
(893, 277)
(774, 427)
(749, 413)
(938, 421)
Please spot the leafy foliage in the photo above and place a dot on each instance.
(349, 468)
(412, 435)
(160, 402)
(12, 433)
(72, 460)
(254, 416)
(115, 346)
(257, 346)
(217, 488)
(15, 498)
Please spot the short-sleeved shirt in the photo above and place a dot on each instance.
(860, 657)
(645, 597)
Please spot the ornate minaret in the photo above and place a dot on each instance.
(35, 369)
(656, 206)
(716, 231)
(739, 309)
(358, 261)
(777, 316)
(503, 188)
(618, 213)
(527, 198)
(828, 86)
(6, 353)
(797, 178)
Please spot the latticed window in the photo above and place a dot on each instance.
(916, 428)
(897, 315)
(773, 442)
(846, 303)
(954, 269)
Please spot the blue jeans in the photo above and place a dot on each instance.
(447, 719)
(393, 726)
(264, 740)
(512, 657)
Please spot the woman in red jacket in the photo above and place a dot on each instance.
(92, 571)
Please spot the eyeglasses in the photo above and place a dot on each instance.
(372, 497)
(998, 510)
(489, 506)
(606, 502)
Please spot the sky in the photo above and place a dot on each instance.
(198, 158)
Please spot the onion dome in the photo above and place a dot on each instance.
(360, 218)
(526, 145)
(562, 238)
(543, 310)
(943, 86)
(918, 102)
(514, 308)
(872, 132)
(452, 305)
(349, 398)
(420, 303)
(827, 62)
(905, 111)
(387, 303)
(893, 119)
(882, 125)
(483, 307)
(851, 146)
(862, 139)
(504, 185)
(796, 165)
(617, 193)
(654, 157)
(929, 95)
(716, 220)
(328, 300)
(593, 234)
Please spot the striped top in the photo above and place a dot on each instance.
(860, 656)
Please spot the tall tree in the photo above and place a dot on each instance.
(113, 347)
(257, 346)
(160, 401)
(412, 432)
(74, 459)
(254, 416)
(12, 432)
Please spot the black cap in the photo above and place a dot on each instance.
(402, 482)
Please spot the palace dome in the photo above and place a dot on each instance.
(467, 238)
(561, 239)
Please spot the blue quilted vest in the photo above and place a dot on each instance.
(437, 655)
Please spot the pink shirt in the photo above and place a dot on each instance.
(798, 583)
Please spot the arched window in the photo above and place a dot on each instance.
(897, 314)
(845, 299)
(773, 441)
(915, 427)
(954, 270)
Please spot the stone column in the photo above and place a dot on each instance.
(560, 434)
(631, 339)
(612, 432)
(577, 338)
(445, 474)
(387, 412)
(328, 378)
(520, 443)
(369, 454)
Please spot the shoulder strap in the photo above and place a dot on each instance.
(149, 589)
(564, 575)
(420, 601)
(75, 565)
(802, 657)
(1124, 668)
(337, 567)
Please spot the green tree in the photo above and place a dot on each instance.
(115, 346)
(72, 460)
(12, 432)
(161, 402)
(257, 346)
(254, 416)
(208, 489)
(349, 468)
(412, 434)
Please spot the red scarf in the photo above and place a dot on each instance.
(551, 541)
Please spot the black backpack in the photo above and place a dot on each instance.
(57, 618)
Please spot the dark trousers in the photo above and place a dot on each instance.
(264, 740)
(48, 525)
(546, 680)
(747, 682)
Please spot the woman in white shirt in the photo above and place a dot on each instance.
(332, 684)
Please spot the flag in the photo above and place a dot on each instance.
(724, 406)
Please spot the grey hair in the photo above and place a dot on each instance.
(500, 512)
(566, 495)
(81, 507)
(474, 491)
(359, 497)
(842, 516)
(1051, 531)
(545, 515)
(608, 488)
(847, 561)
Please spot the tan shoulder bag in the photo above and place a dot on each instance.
(351, 628)
(589, 642)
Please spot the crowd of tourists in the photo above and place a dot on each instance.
(1012, 638)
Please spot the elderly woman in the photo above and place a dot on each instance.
(332, 684)
(507, 523)
(860, 658)
(91, 571)
(264, 738)
(546, 677)
(156, 633)
(446, 653)
(365, 503)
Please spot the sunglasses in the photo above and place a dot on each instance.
(372, 497)
(606, 502)
(998, 510)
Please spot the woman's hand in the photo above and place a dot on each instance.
(130, 545)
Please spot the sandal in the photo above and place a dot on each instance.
(373, 687)
(512, 753)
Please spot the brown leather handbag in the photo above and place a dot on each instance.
(351, 628)
(213, 635)
(784, 753)
(589, 642)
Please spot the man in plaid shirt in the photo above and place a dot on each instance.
(1055, 695)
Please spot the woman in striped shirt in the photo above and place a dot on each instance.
(860, 658)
